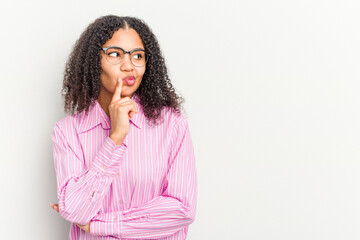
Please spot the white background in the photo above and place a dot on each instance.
(272, 98)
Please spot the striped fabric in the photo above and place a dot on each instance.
(144, 189)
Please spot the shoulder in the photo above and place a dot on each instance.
(177, 130)
(79, 121)
(69, 126)
(70, 121)
(174, 119)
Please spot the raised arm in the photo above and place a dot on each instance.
(81, 190)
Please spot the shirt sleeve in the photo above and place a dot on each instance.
(81, 190)
(163, 215)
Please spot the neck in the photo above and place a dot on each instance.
(104, 101)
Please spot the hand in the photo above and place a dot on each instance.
(86, 227)
(120, 111)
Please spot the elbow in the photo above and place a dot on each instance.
(186, 220)
(191, 216)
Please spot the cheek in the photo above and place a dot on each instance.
(141, 72)
(108, 73)
(104, 77)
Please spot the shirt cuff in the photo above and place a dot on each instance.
(99, 228)
(109, 157)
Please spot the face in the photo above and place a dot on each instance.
(127, 39)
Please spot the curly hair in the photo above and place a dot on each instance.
(82, 84)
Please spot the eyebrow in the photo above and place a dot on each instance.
(141, 49)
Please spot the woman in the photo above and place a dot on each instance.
(124, 159)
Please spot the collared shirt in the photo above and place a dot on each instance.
(143, 189)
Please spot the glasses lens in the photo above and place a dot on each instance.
(138, 58)
(114, 56)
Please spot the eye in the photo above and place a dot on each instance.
(114, 54)
(138, 56)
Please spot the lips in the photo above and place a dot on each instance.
(130, 80)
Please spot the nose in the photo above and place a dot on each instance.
(126, 64)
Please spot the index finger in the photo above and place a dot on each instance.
(117, 93)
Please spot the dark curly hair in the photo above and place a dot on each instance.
(82, 84)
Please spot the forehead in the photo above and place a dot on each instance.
(125, 38)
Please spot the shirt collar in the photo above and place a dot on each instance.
(96, 116)
(138, 119)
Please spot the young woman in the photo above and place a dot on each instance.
(124, 158)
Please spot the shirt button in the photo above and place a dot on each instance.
(121, 201)
(115, 218)
(105, 167)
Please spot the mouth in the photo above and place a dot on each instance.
(129, 80)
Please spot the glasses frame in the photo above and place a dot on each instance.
(147, 55)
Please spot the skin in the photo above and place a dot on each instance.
(128, 39)
(115, 95)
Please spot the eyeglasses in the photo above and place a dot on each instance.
(116, 55)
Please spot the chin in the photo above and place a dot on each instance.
(127, 94)
(130, 90)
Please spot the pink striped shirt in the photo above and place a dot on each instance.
(144, 189)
